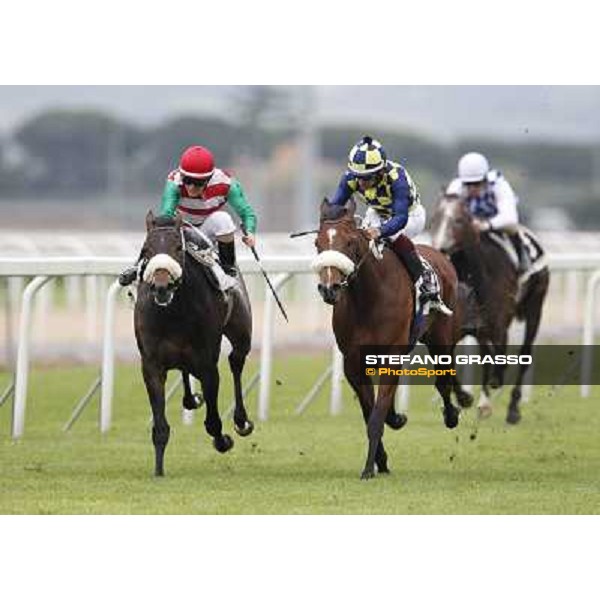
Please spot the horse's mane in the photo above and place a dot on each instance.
(332, 212)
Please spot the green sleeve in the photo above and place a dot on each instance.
(237, 200)
(170, 199)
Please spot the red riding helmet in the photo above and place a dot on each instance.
(197, 162)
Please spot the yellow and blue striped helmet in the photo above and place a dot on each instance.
(367, 157)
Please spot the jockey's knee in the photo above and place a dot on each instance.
(226, 238)
(220, 225)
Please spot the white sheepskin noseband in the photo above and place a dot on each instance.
(333, 258)
(162, 261)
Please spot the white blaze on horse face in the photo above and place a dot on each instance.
(331, 233)
(332, 259)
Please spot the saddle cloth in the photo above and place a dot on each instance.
(430, 277)
(208, 258)
(531, 245)
(418, 323)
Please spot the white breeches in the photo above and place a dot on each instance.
(414, 225)
(217, 224)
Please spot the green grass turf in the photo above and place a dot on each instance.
(550, 463)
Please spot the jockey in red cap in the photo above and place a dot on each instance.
(199, 192)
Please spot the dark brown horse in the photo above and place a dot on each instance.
(500, 296)
(373, 305)
(180, 319)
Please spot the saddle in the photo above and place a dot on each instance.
(200, 249)
(531, 245)
(417, 327)
(207, 257)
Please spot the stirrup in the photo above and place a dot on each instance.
(230, 270)
(434, 301)
(439, 305)
(525, 265)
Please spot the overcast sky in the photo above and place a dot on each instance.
(442, 112)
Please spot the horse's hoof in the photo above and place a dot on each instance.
(246, 430)
(484, 411)
(383, 470)
(223, 444)
(495, 383)
(397, 421)
(368, 474)
(451, 418)
(465, 399)
(192, 402)
(159, 473)
(513, 417)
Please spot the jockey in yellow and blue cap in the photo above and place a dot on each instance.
(394, 210)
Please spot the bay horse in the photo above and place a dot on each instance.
(499, 296)
(373, 305)
(180, 318)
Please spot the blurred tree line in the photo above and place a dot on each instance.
(71, 154)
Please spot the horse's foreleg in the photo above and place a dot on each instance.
(484, 405)
(497, 380)
(443, 384)
(440, 343)
(243, 426)
(155, 378)
(366, 397)
(238, 331)
(191, 401)
(385, 399)
(464, 398)
(532, 324)
(213, 423)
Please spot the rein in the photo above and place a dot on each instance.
(350, 278)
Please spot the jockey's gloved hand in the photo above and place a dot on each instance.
(482, 224)
(249, 239)
(374, 233)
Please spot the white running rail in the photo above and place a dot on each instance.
(43, 269)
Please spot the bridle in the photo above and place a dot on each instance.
(174, 283)
(348, 278)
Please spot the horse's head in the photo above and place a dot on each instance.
(340, 245)
(452, 226)
(164, 253)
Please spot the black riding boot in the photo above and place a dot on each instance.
(424, 282)
(524, 262)
(130, 274)
(227, 257)
(405, 250)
